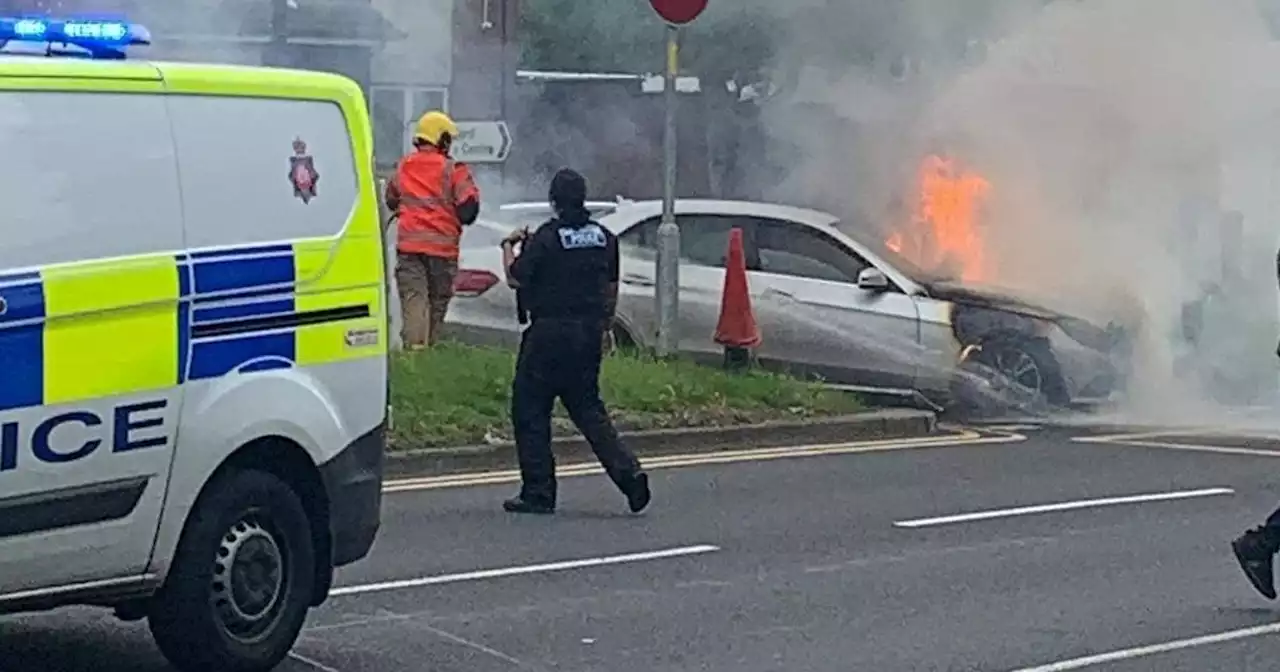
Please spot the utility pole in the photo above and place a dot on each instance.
(278, 50)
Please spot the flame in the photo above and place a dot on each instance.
(943, 232)
(895, 242)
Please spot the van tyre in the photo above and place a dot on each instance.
(240, 585)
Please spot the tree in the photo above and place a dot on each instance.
(626, 36)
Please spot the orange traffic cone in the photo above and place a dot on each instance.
(737, 330)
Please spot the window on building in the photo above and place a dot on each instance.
(395, 110)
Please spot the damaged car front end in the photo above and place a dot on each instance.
(1013, 354)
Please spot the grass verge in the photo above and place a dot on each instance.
(460, 395)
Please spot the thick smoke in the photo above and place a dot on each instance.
(1116, 134)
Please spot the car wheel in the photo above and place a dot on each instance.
(240, 586)
(622, 339)
(1020, 374)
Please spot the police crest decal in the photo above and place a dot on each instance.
(302, 172)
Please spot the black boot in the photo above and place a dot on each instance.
(1254, 549)
(519, 504)
(637, 491)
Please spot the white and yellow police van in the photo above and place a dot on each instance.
(193, 342)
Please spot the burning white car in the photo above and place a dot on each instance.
(848, 311)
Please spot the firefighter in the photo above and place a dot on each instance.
(1256, 548)
(434, 197)
(567, 274)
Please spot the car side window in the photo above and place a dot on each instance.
(642, 236)
(704, 239)
(797, 250)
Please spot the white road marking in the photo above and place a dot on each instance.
(524, 569)
(1151, 650)
(1062, 506)
(965, 438)
(1143, 440)
(311, 663)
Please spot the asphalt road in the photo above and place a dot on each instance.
(875, 558)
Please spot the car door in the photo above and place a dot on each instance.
(704, 242)
(91, 356)
(817, 321)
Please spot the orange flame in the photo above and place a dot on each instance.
(943, 233)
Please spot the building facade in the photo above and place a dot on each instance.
(408, 55)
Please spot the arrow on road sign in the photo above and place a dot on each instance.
(482, 142)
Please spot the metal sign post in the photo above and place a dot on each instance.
(667, 265)
(668, 262)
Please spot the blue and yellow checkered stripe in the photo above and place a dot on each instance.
(86, 330)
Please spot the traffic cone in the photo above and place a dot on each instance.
(736, 330)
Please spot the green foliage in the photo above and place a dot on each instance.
(745, 36)
(456, 394)
(627, 36)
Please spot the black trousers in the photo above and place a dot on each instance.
(1273, 524)
(560, 359)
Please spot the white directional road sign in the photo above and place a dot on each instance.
(482, 142)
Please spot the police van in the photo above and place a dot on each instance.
(193, 340)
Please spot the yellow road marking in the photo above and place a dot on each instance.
(963, 438)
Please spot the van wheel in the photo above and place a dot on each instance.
(239, 587)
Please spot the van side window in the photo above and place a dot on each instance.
(235, 159)
(85, 176)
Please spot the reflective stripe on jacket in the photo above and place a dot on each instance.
(431, 186)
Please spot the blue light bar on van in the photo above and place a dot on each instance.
(98, 36)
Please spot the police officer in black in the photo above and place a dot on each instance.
(567, 278)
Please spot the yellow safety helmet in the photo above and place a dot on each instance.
(433, 125)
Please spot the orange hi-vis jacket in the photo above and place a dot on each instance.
(429, 187)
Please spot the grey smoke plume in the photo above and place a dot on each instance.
(1115, 135)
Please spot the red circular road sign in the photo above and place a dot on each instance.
(678, 11)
